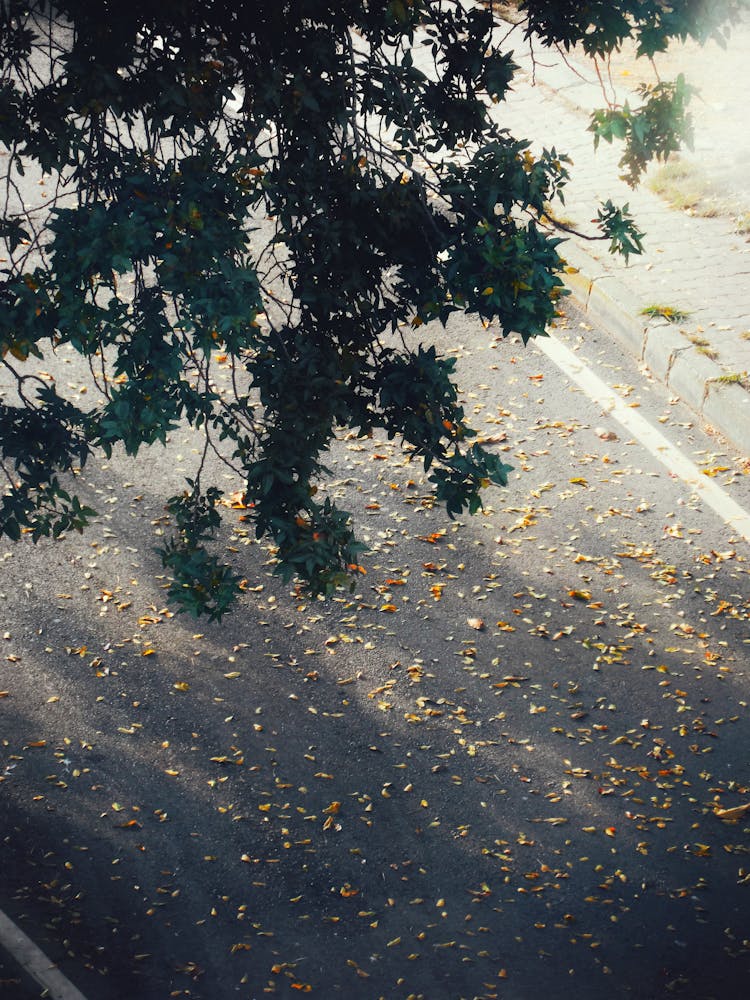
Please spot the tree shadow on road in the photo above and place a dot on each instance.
(467, 778)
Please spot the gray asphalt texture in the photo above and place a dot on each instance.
(492, 771)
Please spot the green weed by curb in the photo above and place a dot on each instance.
(734, 378)
(704, 347)
(670, 313)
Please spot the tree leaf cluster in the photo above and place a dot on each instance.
(293, 190)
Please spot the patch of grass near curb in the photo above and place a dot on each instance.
(687, 188)
(550, 215)
(670, 313)
(505, 9)
(703, 346)
(734, 378)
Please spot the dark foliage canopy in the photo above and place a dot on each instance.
(298, 187)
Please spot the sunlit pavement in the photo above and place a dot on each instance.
(699, 268)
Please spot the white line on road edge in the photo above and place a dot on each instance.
(729, 510)
(35, 962)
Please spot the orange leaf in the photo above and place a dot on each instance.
(734, 813)
(433, 539)
(236, 500)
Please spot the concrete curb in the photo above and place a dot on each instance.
(720, 403)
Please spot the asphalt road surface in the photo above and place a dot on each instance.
(511, 764)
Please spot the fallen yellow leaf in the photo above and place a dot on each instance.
(734, 813)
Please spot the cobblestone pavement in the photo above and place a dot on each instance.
(699, 266)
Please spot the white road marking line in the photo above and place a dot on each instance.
(735, 516)
(35, 962)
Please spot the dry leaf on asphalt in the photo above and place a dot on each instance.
(734, 813)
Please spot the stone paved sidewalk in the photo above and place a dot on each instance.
(700, 266)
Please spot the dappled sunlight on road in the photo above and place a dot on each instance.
(501, 758)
